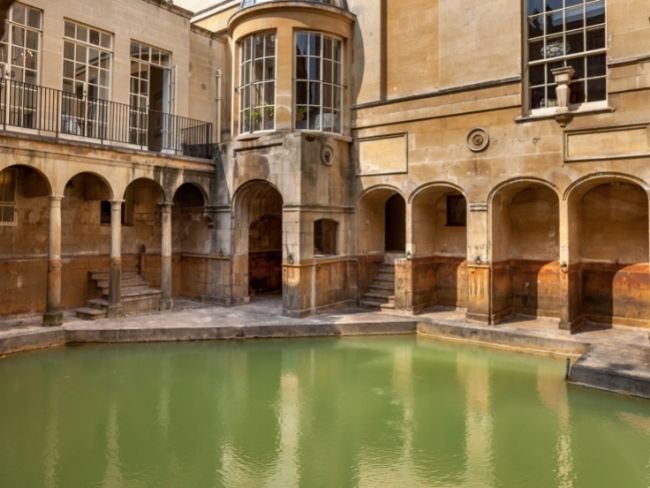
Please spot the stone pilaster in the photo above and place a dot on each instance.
(115, 272)
(53, 313)
(166, 302)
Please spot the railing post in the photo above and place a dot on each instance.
(58, 112)
(5, 101)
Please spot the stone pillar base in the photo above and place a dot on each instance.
(166, 304)
(52, 319)
(573, 326)
(115, 311)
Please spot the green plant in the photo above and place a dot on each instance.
(300, 113)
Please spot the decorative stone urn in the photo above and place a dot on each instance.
(563, 77)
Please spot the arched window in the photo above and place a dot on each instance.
(319, 82)
(566, 33)
(257, 83)
(325, 237)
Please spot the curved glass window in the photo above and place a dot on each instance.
(257, 83)
(566, 33)
(319, 85)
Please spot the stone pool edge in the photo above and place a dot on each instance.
(592, 369)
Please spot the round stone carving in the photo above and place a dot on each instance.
(327, 155)
(478, 140)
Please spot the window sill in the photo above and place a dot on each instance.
(551, 113)
(333, 135)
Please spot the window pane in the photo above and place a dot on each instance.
(314, 45)
(18, 13)
(596, 90)
(595, 39)
(536, 26)
(537, 75)
(269, 50)
(574, 18)
(596, 65)
(301, 93)
(269, 69)
(69, 29)
(301, 116)
(302, 43)
(595, 13)
(34, 18)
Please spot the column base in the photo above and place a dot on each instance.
(115, 311)
(166, 304)
(52, 319)
(573, 326)
(484, 318)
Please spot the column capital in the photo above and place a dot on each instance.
(116, 201)
(166, 204)
(56, 198)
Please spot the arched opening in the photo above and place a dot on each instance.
(613, 250)
(190, 242)
(24, 223)
(141, 246)
(382, 222)
(381, 237)
(85, 238)
(395, 224)
(258, 240)
(439, 262)
(525, 251)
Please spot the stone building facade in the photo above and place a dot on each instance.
(407, 155)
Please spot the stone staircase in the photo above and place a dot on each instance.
(136, 295)
(381, 293)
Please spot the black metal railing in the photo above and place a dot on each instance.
(58, 113)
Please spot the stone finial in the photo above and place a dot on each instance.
(563, 77)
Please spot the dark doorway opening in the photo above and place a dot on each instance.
(395, 224)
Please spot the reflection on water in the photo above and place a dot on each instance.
(362, 412)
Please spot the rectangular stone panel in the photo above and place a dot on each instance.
(383, 155)
(609, 143)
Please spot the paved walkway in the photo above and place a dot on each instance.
(612, 359)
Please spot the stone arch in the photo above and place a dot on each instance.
(45, 179)
(195, 184)
(191, 241)
(108, 195)
(257, 239)
(375, 226)
(439, 246)
(85, 235)
(25, 193)
(610, 248)
(436, 184)
(525, 248)
(142, 233)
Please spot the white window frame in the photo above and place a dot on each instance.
(340, 85)
(564, 59)
(242, 107)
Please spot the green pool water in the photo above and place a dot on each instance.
(360, 412)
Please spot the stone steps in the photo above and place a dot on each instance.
(381, 292)
(136, 295)
(90, 313)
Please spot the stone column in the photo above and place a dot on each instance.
(115, 276)
(570, 273)
(53, 313)
(166, 301)
(478, 265)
